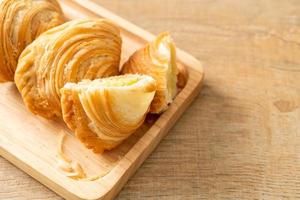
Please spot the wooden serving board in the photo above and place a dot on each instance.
(30, 142)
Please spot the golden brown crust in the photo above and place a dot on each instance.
(95, 115)
(20, 23)
(148, 60)
(76, 50)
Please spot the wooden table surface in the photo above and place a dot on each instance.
(240, 139)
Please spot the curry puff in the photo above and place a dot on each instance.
(104, 112)
(76, 50)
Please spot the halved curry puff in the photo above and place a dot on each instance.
(157, 59)
(104, 112)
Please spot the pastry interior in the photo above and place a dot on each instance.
(157, 59)
(166, 56)
(104, 112)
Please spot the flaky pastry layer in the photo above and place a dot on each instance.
(20, 23)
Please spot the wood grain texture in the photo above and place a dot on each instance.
(240, 138)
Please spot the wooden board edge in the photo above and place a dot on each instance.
(123, 23)
(37, 175)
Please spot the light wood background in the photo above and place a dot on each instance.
(240, 139)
